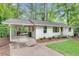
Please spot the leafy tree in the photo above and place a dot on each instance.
(9, 11)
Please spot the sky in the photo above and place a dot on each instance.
(24, 6)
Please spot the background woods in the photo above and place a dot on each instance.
(59, 12)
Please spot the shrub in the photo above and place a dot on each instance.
(44, 38)
(53, 37)
(59, 36)
(50, 38)
(4, 31)
(41, 39)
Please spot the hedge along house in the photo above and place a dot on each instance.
(37, 29)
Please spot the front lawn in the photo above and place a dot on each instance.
(69, 47)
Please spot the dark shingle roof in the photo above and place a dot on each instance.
(33, 22)
(46, 23)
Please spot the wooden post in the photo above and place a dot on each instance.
(10, 32)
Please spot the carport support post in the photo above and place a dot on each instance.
(10, 32)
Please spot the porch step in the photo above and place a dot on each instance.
(27, 40)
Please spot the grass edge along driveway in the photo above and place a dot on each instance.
(68, 48)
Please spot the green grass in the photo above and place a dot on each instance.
(68, 48)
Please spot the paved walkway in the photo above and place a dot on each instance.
(38, 50)
(4, 51)
(4, 47)
(34, 51)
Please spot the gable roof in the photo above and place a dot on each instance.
(18, 22)
(33, 22)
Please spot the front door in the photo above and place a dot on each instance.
(30, 32)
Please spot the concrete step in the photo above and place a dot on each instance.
(31, 42)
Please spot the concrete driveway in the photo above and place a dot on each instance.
(38, 50)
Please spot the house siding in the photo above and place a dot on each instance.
(50, 33)
(71, 33)
(66, 31)
(40, 34)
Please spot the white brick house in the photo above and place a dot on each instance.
(39, 29)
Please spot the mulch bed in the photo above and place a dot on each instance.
(76, 37)
(49, 40)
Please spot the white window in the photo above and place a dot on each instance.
(55, 29)
(70, 29)
(45, 29)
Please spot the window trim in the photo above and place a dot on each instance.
(45, 29)
(55, 29)
(70, 29)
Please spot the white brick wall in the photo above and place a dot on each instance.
(40, 34)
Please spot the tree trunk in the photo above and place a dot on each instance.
(46, 11)
(34, 5)
(31, 10)
(67, 12)
(17, 10)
